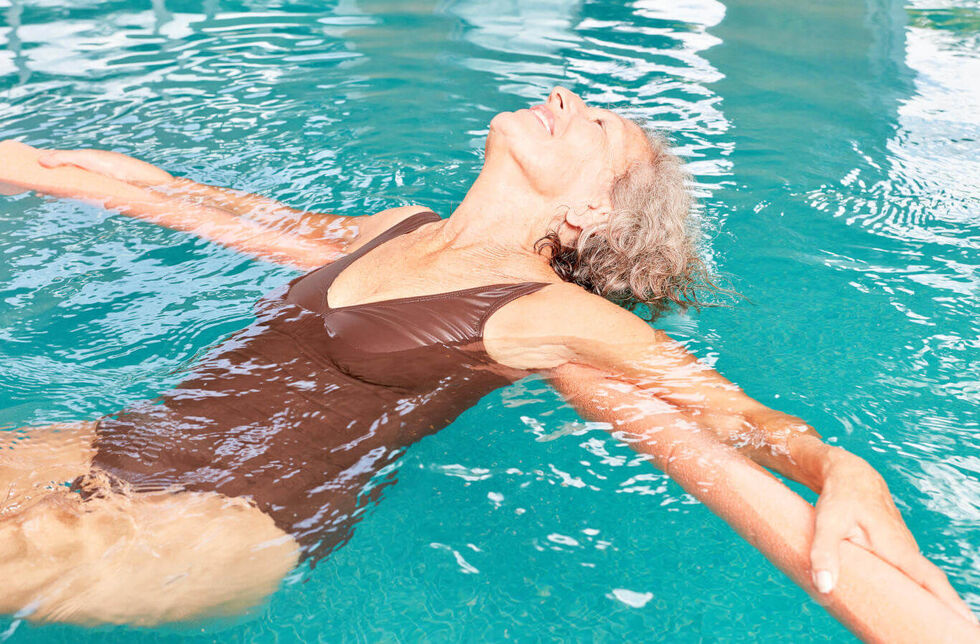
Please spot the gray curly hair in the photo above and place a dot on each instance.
(646, 253)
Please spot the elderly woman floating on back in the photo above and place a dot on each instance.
(401, 321)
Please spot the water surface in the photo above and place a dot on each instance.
(835, 148)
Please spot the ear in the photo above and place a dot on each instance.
(596, 211)
(596, 202)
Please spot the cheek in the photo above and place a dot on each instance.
(535, 156)
(565, 171)
(546, 169)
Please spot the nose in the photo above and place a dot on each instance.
(562, 100)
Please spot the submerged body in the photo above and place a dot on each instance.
(270, 444)
(201, 502)
(121, 557)
(301, 409)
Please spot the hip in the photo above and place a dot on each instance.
(111, 555)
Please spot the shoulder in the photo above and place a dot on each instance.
(370, 226)
(563, 322)
(566, 309)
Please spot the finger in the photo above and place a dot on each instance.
(905, 555)
(83, 159)
(96, 161)
(829, 531)
(54, 159)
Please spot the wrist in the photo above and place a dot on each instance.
(817, 462)
(839, 463)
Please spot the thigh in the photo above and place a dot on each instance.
(36, 460)
(140, 559)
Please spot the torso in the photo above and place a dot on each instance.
(300, 410)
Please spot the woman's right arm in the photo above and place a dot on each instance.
(876, 600)
(249, 223)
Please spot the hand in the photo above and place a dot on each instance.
(855, 505)
(14, 155)
(24, 168)
(110, 164)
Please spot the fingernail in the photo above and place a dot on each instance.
(823, 581)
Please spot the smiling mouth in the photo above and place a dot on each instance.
(539, 111)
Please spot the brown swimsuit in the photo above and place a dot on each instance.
(302, 408)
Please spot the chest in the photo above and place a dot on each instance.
(411, 343)
(396, 271)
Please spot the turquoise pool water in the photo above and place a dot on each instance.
(836, 152)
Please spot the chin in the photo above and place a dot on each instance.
(503, 123)
(502, 130)
(510, 130)
(509, 142)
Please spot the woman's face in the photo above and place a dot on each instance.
(568, 152)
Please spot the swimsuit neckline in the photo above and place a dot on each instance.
(387, 236)
(417, 298)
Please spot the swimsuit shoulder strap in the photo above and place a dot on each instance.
(405, 226)
(502, 294)
(309, 290)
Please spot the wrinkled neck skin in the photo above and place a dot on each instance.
(499, 221)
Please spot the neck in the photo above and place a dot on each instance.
(499, 218)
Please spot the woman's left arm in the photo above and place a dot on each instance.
(656, 379)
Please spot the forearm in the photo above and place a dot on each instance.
(772, 439)
(20, 168)
(872, 598)
(267, 212)
(120, 182)
(209, 222)
(235, 201)
(140, 190)
(661, 369)
(777, 441)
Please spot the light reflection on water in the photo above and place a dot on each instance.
(835, 150)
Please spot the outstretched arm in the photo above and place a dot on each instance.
(315, 226)
(249, 223)
(875, 600)
(661, 396)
